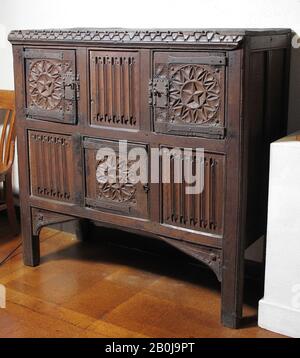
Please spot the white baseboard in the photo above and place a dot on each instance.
(280, 319)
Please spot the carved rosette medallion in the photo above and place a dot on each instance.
(114, 180)
(194, 94)
(46, 84)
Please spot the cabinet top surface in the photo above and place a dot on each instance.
(229, 37)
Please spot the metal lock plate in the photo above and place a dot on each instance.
(160, 92)
(71, 87)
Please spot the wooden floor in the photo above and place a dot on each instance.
(98, 289)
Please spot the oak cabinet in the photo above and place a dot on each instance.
(79, 91)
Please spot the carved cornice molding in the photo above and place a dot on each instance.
(129, 36)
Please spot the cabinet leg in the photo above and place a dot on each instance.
(31, 242)
(232, 293)
(31, 250)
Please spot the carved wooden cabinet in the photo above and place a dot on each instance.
(80, 90)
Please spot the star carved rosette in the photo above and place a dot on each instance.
(46, 84)
(194, 94)
(114, 180)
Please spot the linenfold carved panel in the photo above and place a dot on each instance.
(110, 183)
(51, 85)
(51, 166)
(114, 89)
(200, 211)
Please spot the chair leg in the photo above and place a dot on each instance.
(11, 212)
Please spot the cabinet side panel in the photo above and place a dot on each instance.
(266, 120)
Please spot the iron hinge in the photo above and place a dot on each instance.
(159, 92)
(146, 188)
(71, 85)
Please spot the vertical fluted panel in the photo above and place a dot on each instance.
(114, 88)
(201, 211)
(51, 161)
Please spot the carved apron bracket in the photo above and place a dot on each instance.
(41, 218)
(210, 257)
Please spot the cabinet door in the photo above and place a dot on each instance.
(119, 196)
(51, 166)
(188, 93)
(115, 94)
(51, 85)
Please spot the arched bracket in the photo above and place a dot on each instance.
(208, 256)
(41, 218)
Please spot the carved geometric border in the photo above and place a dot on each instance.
(127, 36)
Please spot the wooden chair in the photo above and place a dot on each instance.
(7, 151)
